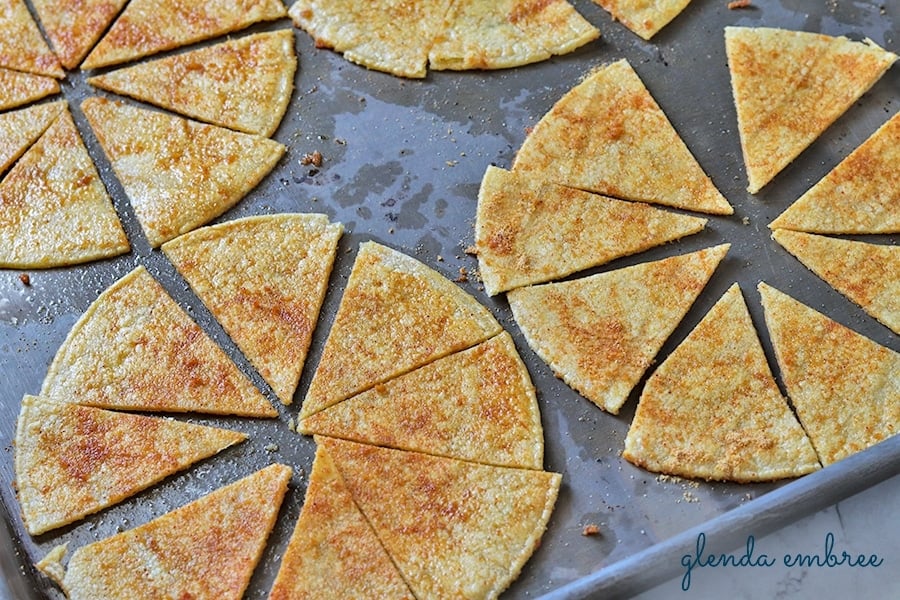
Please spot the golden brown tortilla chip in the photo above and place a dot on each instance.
(19, 129)
(74, 26)
(17, 88)
(22, 48)
(644, 17)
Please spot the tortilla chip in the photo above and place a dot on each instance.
(72, 461)
(136, 349)
(600, 333)
(712, 409)
(860, 195)
(18, 88)
(207, 549)
(22, 48)
(529, 231)
(644, 17)
(844, 387)
(396, 315)
(263, 278)
(74, 26)
(19, 129)
(243, 84)
(452, 527)
(863, 272)
(55, 209)
(146, 27)
(178, 174)
(789, 87)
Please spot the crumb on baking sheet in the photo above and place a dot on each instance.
(463, 275)
(591, 529)
(313, 158)
(735, 4)
(25, 278)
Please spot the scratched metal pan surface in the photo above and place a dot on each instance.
(402, 163)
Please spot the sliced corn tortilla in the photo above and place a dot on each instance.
(243, 84)
(844, 387)
(712, 409)
(530, 231)
(136, 349)
(600, 333)
(644, 17)
(333, 552)
(860, 195)
(55, 209)
(19, 129)
(789, 87)
(477, 404)
(178, 174)
(396, 315)
(74, 26)
(263, 278)
(608, 135)
(146, 27)
(22, 48)
(17, 88)
(452, 527)
(207, 549)
(72, 460)
(865, 273)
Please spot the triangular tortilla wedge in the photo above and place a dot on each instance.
(608, 135)
(789, 87)
(396, 315)
(72, 460)
(17, 88)
(333, 552)
(642, 17)
(452, 527)
(844, 387)
(55, 208)
(22, 48)
(478, 404)
(860, 195)
(264, 279)
(146, 27)
(712, 409)
(178, 174)
(529, 231)
(863, 272)
(74, 26)
(243, 84)
(136, 349)
(207, 549)
(600, 333)
(19, 129)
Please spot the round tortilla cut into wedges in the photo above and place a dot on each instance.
(74, 26)
(206, 550)
(263, 278)
(243, 84)
(72, 460)
(607, 135)
(178, 174)
(19, 129)
(55, 209)
(333, 552)
(863, 272)
(17, 88)
(844, 387)
(789, 87)
(642, 17)
(396, 315)
(478, 404)
(860, 195)
(146, 27)
(600, 333)
(453, 528)
(22, 48)
(712, 409)
(529, 231)
(136, 349)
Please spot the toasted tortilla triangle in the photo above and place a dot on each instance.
(600, 333)
(396, 315)
(243, 84)
(178, 174)
(146, 27)
(136, 349)
(452, 527)
(529, 231)
(844, 387)
(207, 549)
(608, 135)
(333, 552)
(55, 209)
(477, 404)
(789, 87)
(74, 26)
(17, 88)
(22, 48)
(712, 409)
(19, 129)
(642, 17)
(863, 272)
(860, 195)
(264, 279)
(72, 460)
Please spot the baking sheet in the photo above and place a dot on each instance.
(402, 163)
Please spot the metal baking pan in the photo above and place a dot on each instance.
(402, 163)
